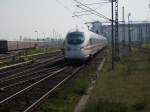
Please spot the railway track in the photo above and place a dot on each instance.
(28, 68)
(145, 50)
(31, 95)
(17, 79)
(36, 58)
(30, 64)
(6, 55)
(21, 82)
(142, 49)
(22, 75)
(26, 91)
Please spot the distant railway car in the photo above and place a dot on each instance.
(7, 46)
(19, 45)
(41, 44)
(82, 44)
(3, 46)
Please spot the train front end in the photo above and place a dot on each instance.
(74, 44)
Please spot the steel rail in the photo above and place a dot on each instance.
(18, 64)
(31, 79)
(146, 50)
(28, 70)
(29, 87)
(5, 79)
(142, 49)
(21, 82)
(25, 75)
(12, 70)
(35, 104)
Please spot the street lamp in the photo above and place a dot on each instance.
(37, 34)
(129, 31)
(44, 36)
(123, 27)
(54, 33)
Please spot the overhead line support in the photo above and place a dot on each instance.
(112, 33)
(116, 31)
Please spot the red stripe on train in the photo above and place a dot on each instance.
(92, 47)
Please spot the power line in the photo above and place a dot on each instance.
(81, 15)
(64, 6)
(85, 12)
(92, 10)
(89, 10)
(96, 3)
(68, 9)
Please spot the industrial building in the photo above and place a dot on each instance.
(138, 31)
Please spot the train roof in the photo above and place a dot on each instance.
(86, 31)
(82, 30)
(77, 30)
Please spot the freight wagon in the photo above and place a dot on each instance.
(7, 46)
(3, 46)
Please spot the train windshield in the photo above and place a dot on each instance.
(75, 38)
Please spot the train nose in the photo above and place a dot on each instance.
(74, 52)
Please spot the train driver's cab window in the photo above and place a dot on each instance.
(75, 38)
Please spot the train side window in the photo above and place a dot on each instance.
(94, 41)
(90, 41)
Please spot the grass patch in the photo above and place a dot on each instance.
(43, 50)
(68, 96)
(146, 45)
(126, 89)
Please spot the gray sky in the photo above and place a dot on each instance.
(23, 17)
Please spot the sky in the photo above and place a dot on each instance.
(54, 17)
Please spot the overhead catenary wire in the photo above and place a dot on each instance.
(88, 10)
(80, 16)
(91, 10)
(64, 6)
(96, 3)
(68, 9)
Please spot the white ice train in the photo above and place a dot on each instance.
(82, 44)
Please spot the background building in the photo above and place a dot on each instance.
(139, 31)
